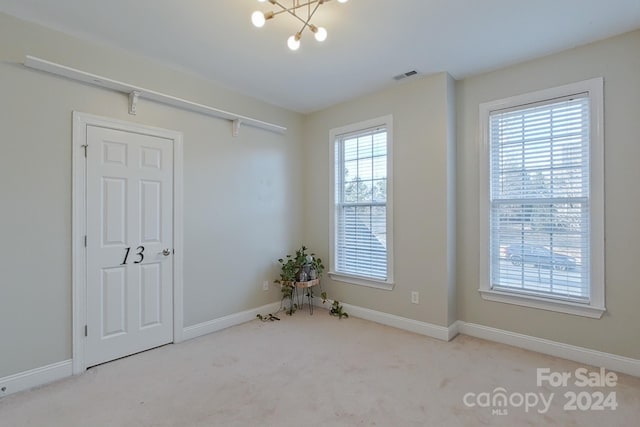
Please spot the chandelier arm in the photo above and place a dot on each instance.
(291, 10)
(291, 13)
(294, 7)
(306, 23)
(259, 18)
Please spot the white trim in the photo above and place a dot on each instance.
(596, 93)
(57, 371)
(614, 362)
(387, 122)
(40, 376)
(35, 377)
(454, 330)
(362, 281)
(135, 93)
(423, 328)
(532, 301)
(220, 323)
(79, 227)
(78, 250)
(596, 306)
(625, 365)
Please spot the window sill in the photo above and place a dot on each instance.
(362, 281)
(544, 303)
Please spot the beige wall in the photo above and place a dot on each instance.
(241, 195)
(423, 195)
(618, 61)
(248, 200)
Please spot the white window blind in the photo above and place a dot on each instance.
(361, 204)
(539, 198)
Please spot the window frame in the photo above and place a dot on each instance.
(334, 136)
(595, 307)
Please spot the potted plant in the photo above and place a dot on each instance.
(301, 267)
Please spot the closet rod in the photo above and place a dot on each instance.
(135, 93)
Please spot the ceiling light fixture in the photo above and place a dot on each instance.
(259, 18)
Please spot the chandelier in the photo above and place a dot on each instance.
(296, 10)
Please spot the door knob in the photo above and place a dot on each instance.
(165, 252)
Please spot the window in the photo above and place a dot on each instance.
(361, 217)
(542, 212)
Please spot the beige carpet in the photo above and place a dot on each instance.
(315, 371)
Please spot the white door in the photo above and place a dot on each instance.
(129, 243)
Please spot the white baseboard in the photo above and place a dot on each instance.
(587, 356)
(35, 377)
(423, 328)
(56, 371)
(454, 329)
(215, 325)
(625, 365)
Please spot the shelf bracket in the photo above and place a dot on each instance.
(133, 101)
(136, 92)
(235, 124)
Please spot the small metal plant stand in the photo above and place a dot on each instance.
(305, 286)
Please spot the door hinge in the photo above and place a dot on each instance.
(85, 240)
(85, 149)
(85, 330)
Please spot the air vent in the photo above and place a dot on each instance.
(405, 75)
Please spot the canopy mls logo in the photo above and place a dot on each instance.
(499, 400)
(598, 398)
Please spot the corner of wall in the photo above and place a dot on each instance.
(452, 312)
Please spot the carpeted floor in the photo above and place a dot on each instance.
(320, 371)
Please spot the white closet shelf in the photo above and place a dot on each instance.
(135, 93)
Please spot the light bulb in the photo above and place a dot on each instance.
(293, 42)
(321, 34)
(262, 1)
(339, 1)
(258, 19)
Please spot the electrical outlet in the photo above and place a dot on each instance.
(415, 297)
(265, 285)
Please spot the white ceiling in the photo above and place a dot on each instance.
(369, 41)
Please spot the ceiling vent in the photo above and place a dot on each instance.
(405, 75)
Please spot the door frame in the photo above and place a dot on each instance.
(79, 225)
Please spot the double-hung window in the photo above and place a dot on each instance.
(361, 214)
(542, 240)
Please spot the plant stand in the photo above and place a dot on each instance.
(299, 295)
